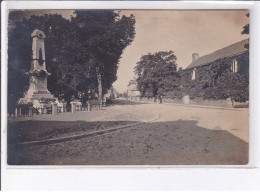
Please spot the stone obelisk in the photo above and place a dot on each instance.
(38, 74)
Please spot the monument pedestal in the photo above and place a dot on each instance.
(37, 92)
(37, 95)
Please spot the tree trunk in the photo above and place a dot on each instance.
(99, 84)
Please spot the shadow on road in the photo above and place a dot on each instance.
(162, 143)
(33, 130)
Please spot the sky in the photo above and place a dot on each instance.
(184, 32)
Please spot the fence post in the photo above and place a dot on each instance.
(16, 113)
(89, 107)
(64, 105)
(44, 110)
(19, 111)
(30, 112)
(40, 110)
(54, 108)
(73, 107)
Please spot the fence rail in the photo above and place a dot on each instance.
(29, 111)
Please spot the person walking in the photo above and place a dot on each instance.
(160, 98)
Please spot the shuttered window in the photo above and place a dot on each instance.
(234, 66)
(193, 74)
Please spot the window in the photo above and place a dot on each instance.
(193, 74)
(234, 66)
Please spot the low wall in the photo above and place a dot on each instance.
(198, 101)
(241, 104)
(218, 103)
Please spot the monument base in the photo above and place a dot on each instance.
(38, 98)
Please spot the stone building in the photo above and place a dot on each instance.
(111, 93)
(221, 75)
(132, 90)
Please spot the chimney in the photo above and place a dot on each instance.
(195, 56)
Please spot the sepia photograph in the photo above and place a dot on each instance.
(128, 87)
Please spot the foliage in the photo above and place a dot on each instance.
(246, 27)
(234, 86)
(103, 36)
(74, 48)
(246, 31)
(157, 73)
(20, 48)
(216, 81)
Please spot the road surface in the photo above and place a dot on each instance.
(168, 135)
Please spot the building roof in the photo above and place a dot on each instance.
(228, 51)
(134, 87)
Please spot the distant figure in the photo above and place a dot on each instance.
(72, 98)
(104, 101)
(160, 98)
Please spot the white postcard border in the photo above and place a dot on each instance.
(149, 177)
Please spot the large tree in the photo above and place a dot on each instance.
(80, 53)
(58, 54)
(103, 34)
(157, 73)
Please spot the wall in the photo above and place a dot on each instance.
(215, 81)
(198, 101)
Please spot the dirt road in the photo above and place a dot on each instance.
(180, 135)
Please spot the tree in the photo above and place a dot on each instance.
(157, 73)
(82, 54)
(246, 31)
(246, 27)
(59, 55)
(103, 35)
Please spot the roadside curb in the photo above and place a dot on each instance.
(191, 105)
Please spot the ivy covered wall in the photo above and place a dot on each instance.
(217, 81)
